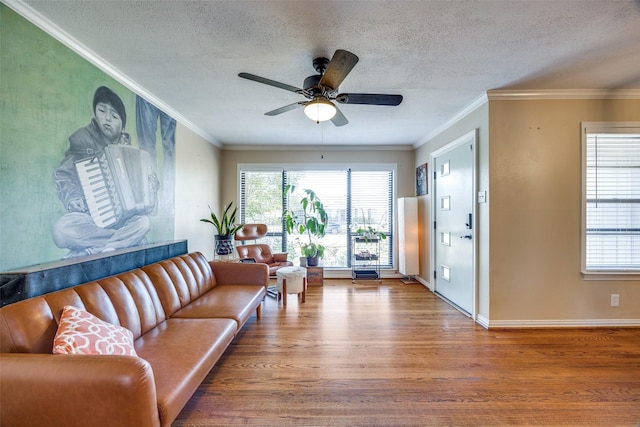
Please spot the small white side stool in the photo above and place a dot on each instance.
(291, 280)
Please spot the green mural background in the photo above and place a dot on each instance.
(46, 93)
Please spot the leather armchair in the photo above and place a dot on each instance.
(260, 252)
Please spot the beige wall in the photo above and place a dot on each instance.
(535, 157)
(528, 232)
(477, 119)
(197, 187)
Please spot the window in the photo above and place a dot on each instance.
(350, 197)
(611, 198)
(261, 203)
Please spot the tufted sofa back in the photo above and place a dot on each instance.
(138, 300)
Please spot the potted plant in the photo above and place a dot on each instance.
(309, 221)
(226, 227)
(368, 232)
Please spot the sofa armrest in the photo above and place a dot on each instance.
(229, 273)
(280, 257)
(77, 390)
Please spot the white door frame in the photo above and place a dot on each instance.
(472, 137)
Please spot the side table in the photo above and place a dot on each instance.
(315, 275)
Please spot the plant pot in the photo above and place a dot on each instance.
(312, 261)
(224, 245)
(303, 261)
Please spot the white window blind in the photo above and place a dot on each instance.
(347, 195)
(261, 203)
(611, 199)
(372, 205)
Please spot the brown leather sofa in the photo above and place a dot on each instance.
(183, 313)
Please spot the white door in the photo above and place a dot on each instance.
(454, 233)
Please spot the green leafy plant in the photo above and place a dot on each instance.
(368, 231)
(310, 221)
(312, 250)
(225, 225)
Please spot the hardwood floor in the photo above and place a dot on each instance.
(390, 354)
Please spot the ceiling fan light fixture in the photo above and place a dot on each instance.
(320, 110)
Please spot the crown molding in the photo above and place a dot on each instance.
(502, 95)
(66, 39)
(478, 102)
(521, 95)
(316, 147)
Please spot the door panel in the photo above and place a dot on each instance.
(454, 234)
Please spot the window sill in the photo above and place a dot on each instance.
(611, 275)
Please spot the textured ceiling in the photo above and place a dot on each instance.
(442, 56)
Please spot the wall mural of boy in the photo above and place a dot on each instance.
(49, 117)
(148, 116)
(79, 230)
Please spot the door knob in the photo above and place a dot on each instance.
(466, 236)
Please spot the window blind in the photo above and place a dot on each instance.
(261, 203)
(346, 194)
(372, 204)
(612, 201)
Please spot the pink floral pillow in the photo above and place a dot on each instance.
(80, 332)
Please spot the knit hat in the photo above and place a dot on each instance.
(107, 96)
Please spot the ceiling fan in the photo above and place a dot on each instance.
(322, 89)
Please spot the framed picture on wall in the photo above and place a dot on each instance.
(421, 180)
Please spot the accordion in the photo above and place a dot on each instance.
(116, 184)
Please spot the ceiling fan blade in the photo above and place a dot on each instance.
(340, 65)
(271, 82)
(285, 108)
(339, 119)
(369, 99)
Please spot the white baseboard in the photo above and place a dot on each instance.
(482, 321)
(424, 283)
(558, 323)
(517, 323)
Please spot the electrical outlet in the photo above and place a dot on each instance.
(615, 300)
